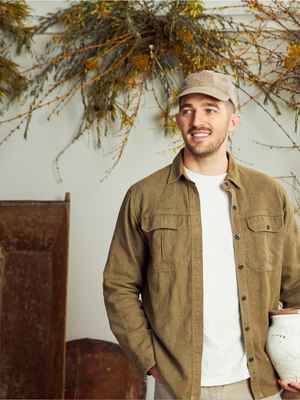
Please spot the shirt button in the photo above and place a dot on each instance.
(251, 359)
(240, 266)
(244, 298)
(247, 328)
(234, 207)
(237, 236)
(268, 227)
(225, 185)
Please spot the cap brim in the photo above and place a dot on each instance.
(218, 94)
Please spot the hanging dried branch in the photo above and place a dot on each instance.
(106, 50)
(283, 83)
(13, 32)
(12, 83)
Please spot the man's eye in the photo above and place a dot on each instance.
(211, 110)
(186, 111)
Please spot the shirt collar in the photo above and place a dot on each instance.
(177, 169)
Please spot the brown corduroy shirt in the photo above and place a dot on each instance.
(153, 287)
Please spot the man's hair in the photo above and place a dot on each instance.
(230, 106)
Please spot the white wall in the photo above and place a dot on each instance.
(26, 172)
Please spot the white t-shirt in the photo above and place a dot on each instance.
(224, 360)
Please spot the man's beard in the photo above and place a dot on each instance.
(203, 151)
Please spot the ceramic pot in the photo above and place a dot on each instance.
(283, 343)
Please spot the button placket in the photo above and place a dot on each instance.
(193, 199)
(235, 223)
(241, 278)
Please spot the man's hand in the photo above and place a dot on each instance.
(155, 373)
(290, 387)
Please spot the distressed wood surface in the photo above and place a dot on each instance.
(33, 281)
(97, 369)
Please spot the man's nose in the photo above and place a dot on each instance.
(198, 118)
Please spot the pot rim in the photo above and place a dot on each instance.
(285, 311)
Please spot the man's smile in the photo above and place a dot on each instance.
(200, 134)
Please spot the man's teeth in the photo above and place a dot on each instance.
(200, 134)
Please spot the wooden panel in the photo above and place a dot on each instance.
(33, 273)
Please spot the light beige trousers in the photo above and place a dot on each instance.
(234, 391)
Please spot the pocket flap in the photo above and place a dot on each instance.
(159, 221)
(265, 223)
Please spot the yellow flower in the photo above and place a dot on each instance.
(57, 39)
(178, 49)
(293, 56)
(193, 8)
(141, 62)
(185, 35)
(102, 10)
(126, 120)
(131, 82)
(198, 63)
(92, 63)
(171, 126)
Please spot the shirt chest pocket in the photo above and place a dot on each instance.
(163, 233)
(264, 241)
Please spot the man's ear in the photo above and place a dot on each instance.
(233, 123)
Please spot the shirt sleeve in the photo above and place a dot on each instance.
(122, 283)
(290, 283)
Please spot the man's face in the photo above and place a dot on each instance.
(204, 123)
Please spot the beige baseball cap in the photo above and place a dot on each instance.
(211, 83)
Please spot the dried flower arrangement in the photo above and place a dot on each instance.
(283, 79)
(110, 52)
(13, 32)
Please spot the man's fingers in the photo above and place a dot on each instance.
(295, 385)
(290, 387)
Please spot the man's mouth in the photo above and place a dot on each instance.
(200, 134)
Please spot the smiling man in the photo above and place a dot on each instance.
(202, 251)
